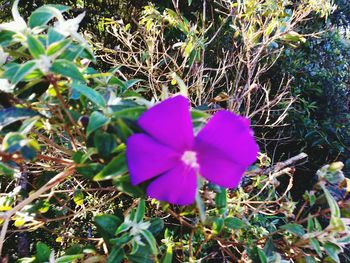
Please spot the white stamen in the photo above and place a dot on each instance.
(190, 159)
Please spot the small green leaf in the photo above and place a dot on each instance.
(122, 228)
(78, 197)
(114, 168)
(105, 143)
(262, 255)
(116, 255)
(44, 14)
(35, 47)
(72, 52)
(53, 36)
(332, 250)
(234, 223)
(124, 185)
(335, 211)
(129, 113)
(294, 228)
(131, 82)
(23, 71)
(310, 224)
(310, 259)
(107, 225)
(13, 114)
(182, 86)
(96, 121)
(57, 48)
(156, 226)
(69, 258)
(90, 93)
(67, 68)
(221, 198)
(6, 170)
(43, 252)
(140, 211)
(120, 241)
(169, 255)
(218, 224)
(150, 240)
(89, 170)
(316, 246)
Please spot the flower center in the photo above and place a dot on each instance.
(190, 159)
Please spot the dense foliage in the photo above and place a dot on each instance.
(67, 113)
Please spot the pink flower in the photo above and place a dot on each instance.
(169, 153)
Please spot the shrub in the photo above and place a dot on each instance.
(64, 126)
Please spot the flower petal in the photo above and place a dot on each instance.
(148, 158)
(177, 186)
(216, 168)
(169, 122)
(231, 136)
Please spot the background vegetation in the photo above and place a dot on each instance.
(66, 195)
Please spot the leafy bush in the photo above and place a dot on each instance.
(64, 125)
(320, 117)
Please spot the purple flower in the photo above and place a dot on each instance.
(170, 154)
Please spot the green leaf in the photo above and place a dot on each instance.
(218, 224)
(310, 259)
(23, 71)
(129, 113)
(124, 185)
(89, 170)
(262, 255)
(140, 211)
(78, 197)
(35, 47)
(90, 93)
(96, 121)
(116, 81)
(335, 211)
(107, 225)
(69, 258)
(310, 224)
(57, 48)
(198, 114)
(316, 246)
(44, 14)
(116, 255)
(150, 240)
(156, 226)
(114, 168)
(120, 241)
(53, 36)
(43, 252)
(234, 223)
(6, 170)
(122, 228)
(131, 82)
(28, 153)
(68, 69)
(105, 143)
(28, 124)
(72, 52)
(182, 86)
(13, 114)
(169, 255)
(221, 198)
(294, 228)
(123, 129)
(332, 250)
